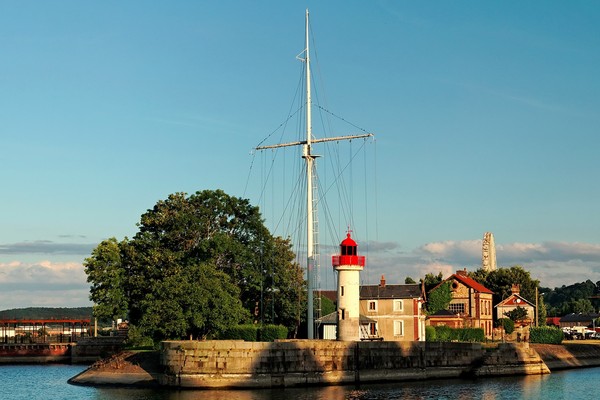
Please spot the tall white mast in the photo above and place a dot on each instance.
(310, 158)
(306, 153)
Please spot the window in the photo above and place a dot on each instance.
(373, 329)
(398, 328)
(343, 313)
(342, 291)
(457, 308)
(398, 306)
(372, 305)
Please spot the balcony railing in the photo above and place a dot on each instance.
(348, 260)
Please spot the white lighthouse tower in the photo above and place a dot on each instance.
(348, 264)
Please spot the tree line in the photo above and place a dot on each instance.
(581, 297)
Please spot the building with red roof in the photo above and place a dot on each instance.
(471, 303)
(512, 302)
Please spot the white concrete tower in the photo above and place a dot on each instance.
(348, 264)
(488, 252)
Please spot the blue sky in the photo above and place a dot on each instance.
(485, 115)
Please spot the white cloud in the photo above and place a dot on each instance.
(43, 283)
(63, 284)
(46, 247)
(553, 263)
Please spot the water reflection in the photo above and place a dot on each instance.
(487, 389)
(49, 382)
(547, 387)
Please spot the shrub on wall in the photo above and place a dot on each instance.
(546, 335)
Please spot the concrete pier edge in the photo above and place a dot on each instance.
(238, 364)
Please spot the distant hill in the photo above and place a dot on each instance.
(47, 313)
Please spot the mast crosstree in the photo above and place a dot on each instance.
(311, 208)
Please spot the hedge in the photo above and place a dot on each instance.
(444, 333)
(269, 333)
(247, 332)
(545, 335)
(253, 333)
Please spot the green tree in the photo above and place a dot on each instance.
(106, 273)
(542, 313)
(574, 298)
(409, 280)
(432, 280)
(500, 282)
(327, 306)
(284, 294)
(199, 264)
(517, 314)
(439, 298)
(506, 323)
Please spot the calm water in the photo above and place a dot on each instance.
(34, 382)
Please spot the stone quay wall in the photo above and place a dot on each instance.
(91, 349)
(569, 355)
(239, 364)
(85, 350)
(35, 353)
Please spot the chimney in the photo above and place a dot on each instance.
(382, 282)
(462, 273)
(515, 288)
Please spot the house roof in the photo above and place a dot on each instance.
(408, 291)
(444, 313)
(553, 321)
(579, 317)
(514, 300)
(469, 282)
(329, 294)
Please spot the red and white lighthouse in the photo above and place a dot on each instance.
(348, 264)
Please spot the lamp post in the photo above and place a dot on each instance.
(537, 313)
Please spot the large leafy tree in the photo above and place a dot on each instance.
(199, 264)
(106, 273)
(500, 282)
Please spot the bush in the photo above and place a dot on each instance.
(430, 334)
(269, 333)
(507, 324)
(545, 335)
